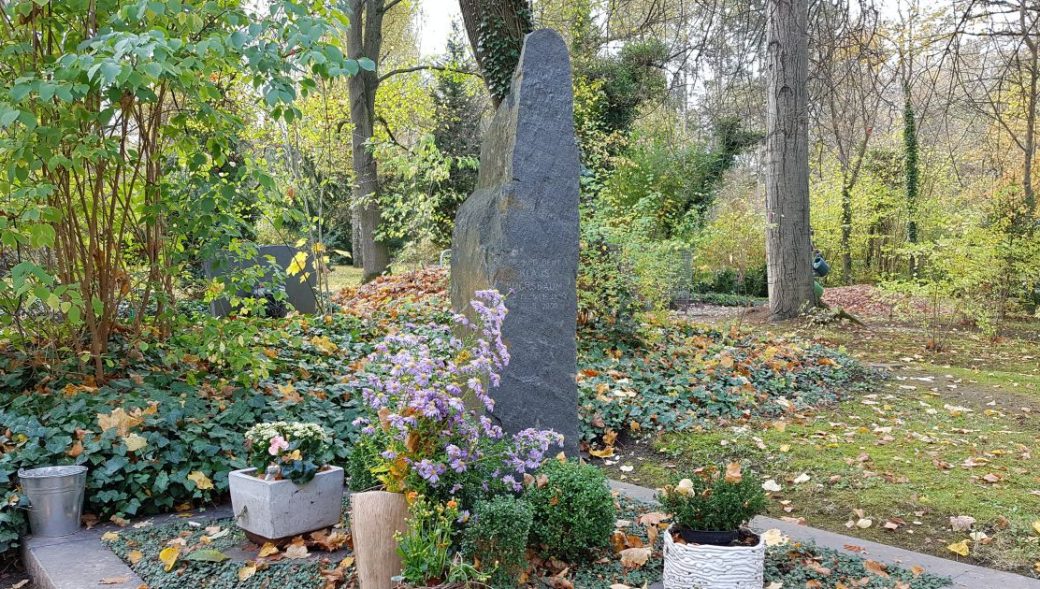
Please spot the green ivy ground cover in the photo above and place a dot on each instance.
(165, 432)
(682, 375)
(793, 565)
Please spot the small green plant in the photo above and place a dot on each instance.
(496, 538)
(298, 449)
(426, 548)
(574, 511)
(714, 499)
(364, 456)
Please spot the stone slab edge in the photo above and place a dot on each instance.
(82, 560)
(963, 575)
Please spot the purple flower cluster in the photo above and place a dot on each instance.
(416, 385)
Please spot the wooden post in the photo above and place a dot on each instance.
(375, 516)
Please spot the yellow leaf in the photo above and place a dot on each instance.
(110, 536)
(297, 548)
(1036, 526)
(733, 475)
(134, 556)
(168, 556)
(267, 550)
(604, 453)
(246, 571)
(298, 263)
(120, 420)
(135, 442)
(960, 548)
(201, 481)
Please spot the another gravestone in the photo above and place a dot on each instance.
(518, 233)
(299, 294)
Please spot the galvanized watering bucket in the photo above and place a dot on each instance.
(56, 498)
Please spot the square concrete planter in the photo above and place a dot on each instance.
(273, 510)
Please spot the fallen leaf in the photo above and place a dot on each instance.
(771, 486)
(632, 558)
(247, 570)
(135, 442)
(297, 548)
(134, 556)
(802, 478)
(876, 567)
(774, 537)
(961, 523)
(200, 479)
(1036, 526)
(267, 550)
(110, 536)
(168, 556)
(651, 518)
(207, 555)
(864, 523)
(114, 580)
(733, 475)
(960, 548)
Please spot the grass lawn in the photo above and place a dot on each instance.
(948, 434)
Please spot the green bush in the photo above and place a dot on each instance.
(714, 499)
(363, 458)
(574, 511)
(496, 537)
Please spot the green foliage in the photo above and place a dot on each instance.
(678, 375)
(496, 537)
(182, 415)
(500, 45)
(910, 154)
(364, 457)
(709, 500)
(425, 548)
(663, 186)
(298, 449)
(629, 79)
(573, 509)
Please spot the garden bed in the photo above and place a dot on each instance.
(792, 565)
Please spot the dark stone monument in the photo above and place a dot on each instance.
(299, 294)
(518, 233)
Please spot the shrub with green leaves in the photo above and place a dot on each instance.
(574, 511)
(714, 499)
(496, 537)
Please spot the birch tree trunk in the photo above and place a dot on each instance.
(788, 242)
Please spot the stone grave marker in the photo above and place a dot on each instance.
(300, 295)
(518, 233)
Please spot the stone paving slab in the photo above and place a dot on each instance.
(963, 575)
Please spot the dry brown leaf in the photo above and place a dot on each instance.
(114, 580)
(733, 475)
(633, 558)
(297, 548)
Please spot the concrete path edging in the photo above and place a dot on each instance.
(963, 575)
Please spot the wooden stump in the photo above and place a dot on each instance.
(375, 517)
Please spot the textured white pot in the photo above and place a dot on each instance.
(702, 566)
(281, 509)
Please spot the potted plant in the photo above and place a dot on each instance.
(290, 489)
(708, 545)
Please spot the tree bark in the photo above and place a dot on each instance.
(365, 39)
(788, 241)
(496, 31)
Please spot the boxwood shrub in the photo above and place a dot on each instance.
(574, 511)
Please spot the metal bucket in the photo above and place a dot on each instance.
(56, 498)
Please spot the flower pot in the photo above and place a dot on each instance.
(704, 566)
(375, 517)
(274, 510)
(715, 538)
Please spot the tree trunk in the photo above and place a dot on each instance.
(355, 238)
(365, 39)
(846, 234)
(500, 25)
(788, 241)
(910, 155)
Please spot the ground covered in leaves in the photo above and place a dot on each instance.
(942, 457)
(215, 554)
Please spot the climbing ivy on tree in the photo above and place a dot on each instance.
(496, 30)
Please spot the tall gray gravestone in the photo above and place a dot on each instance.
(518, 233)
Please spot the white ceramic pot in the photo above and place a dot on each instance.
(282, 509)
(703, 566)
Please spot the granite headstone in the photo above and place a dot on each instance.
(299, 294)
